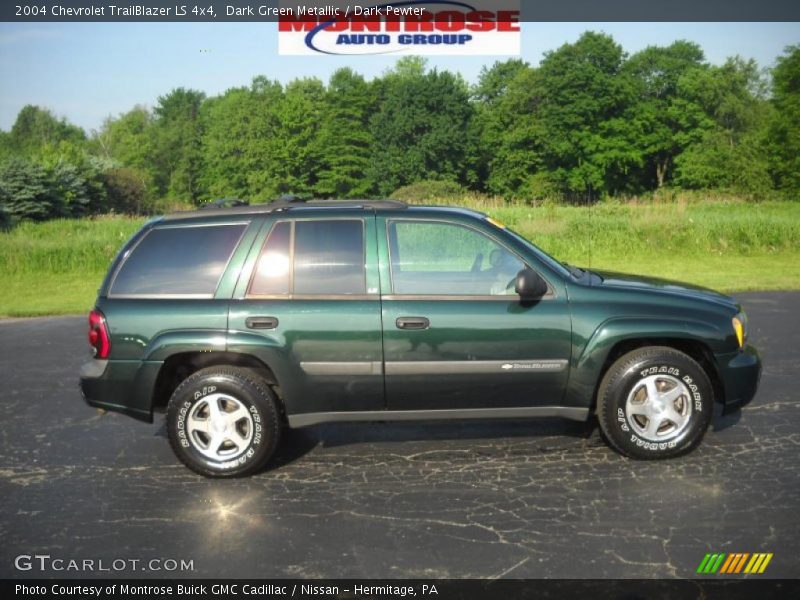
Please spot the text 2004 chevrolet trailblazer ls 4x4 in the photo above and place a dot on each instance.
(240, 321)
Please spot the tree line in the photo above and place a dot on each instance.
(589, 121)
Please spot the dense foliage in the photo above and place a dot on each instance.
(588, 122)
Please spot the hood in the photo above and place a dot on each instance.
(653, 284)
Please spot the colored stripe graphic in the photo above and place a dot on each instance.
(711, 563)
(734, 563)
(704, 563)
(740, 564)
(732, 558)
(755, 562)
(764, 564)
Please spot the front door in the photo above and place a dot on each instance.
(455, 334)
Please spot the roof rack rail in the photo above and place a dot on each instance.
(240, 207)
(224, 203)
(289, 199)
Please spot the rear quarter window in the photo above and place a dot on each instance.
(178, 261)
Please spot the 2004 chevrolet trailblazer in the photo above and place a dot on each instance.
(242, 320)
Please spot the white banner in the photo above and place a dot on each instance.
(435, 28)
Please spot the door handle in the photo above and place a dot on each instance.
(261, 322)
(412, 323)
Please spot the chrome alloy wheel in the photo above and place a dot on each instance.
(659, 408)
(220, 427)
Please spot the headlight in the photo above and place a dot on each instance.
(740, 328)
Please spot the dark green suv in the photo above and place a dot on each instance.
(240, 321)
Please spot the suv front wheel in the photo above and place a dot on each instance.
(223, 422)
(654, 402)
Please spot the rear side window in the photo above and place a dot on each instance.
(327, 259)
(178, 261)
(272, 272)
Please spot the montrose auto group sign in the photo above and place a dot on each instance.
(402, 27)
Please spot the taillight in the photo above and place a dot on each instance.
(98, 335)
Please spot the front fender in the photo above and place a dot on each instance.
(588, 362)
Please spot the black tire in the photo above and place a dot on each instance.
(232, 392)
(624, 394)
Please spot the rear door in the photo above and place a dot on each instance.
(455, 333)
(308, 304)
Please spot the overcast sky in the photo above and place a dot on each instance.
(88, 71)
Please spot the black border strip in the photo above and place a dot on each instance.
(449, 589)
(531, 10)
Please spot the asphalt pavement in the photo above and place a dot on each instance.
(532, 498)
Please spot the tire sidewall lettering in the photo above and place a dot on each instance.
(653, 446)
(257, 427)
(181, 424)
(696, 395)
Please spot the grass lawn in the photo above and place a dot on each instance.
(56, 294)
(56, 267)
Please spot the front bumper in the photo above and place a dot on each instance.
(740, 373)
(120, 386)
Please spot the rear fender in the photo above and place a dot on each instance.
(168, 343)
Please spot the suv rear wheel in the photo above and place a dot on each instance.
(223, 422)
(654, 402)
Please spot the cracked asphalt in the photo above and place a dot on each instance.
(533, 498)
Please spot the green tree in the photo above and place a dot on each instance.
(657, 112)
(6, 151)
(727, 113)
(127, 139)
(25, 191)
(36, 127)
(126, 193)
(176, 144)
(229, 130)
(584, 97)
(494, 81)
(419, 131)
(38, 189)
(513, 140)
(344, 137)
(565, 124)
(492, 97)
(296, 154)
(241, 141)
(784, 130)
(125, 144)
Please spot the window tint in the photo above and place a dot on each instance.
(329, 257)
(272, 269)
(178, 260)
(447, 259)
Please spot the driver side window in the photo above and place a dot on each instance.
(447, 259)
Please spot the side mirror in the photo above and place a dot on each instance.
(530, 286)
